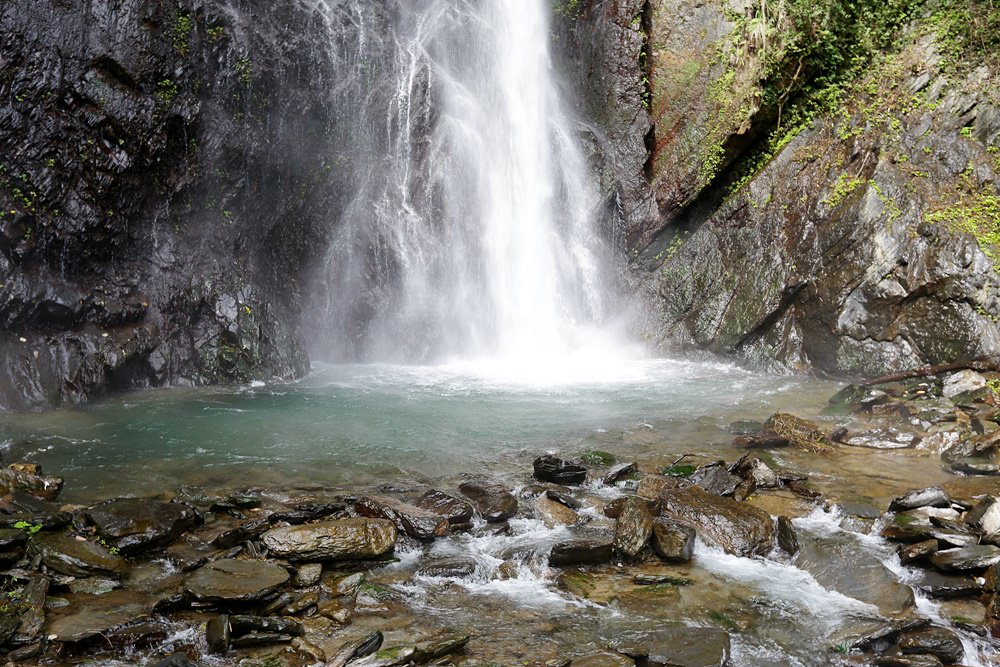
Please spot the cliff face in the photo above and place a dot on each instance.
(860, 242)
(162, 180)
(169, 171)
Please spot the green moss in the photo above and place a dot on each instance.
(597, 457)
(978, 215)
(244, 70)
(679, 470)
(181, 32)
(844, 186)
(166, 91)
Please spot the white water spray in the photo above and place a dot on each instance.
(470, 232)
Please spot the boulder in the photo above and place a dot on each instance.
(683, 646)
(46, 488)
(308, 574)
(917, 551)
(633, 527)
(493, 501)
(939, 642)
(338, 539)
(738, 528)
(614, 509)
(985, 516)
(549, 468)
(975, 557)
(553, 513)
(249, 530)
(76, 557)
(619, 473)
(962, 382)
(946, 586)
(787, 539)
(673, 542)
(448, 567)
(933, 496)
(235, 581)
(456, 510)
(715, 479)
(752, 469)
(582, 551)
(135, 525)
(418, 523)
(91, 621)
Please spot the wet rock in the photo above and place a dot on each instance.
(8, 626)
(337, 539)
(420, 524)
(885, 636)
(92, 621)
(448, 567)
(553, 513)
(308, 574)
(715, 479)
(862, 510)
(752, 469)
(493, 501)
(839, 564)
(903, 660)
(76, 557)
(985, 516)
(456, 510)
(563, 499)
(738, 528)
(301, 603)
(799, 432)
(918, 551)
(46, 488)
(651, 486)
(249, 530)
(787, 539)
(242, 624)
(672, 541)
(218, 634)
(300, 513)
(686, 647)
(135, 525)
(231, 580)
(947, 586)
(549, 468)
(882, 438)
(974, 466)
(93, 586)
(12, 539)
(967, 558)
(358, 648)
(602, 660)
(614, 509)
(939, 642)
(933, 496)
(175, 660)
(633, 527)
(660, 580)
(582, 551)
(619, 473)
(31, 611)
(962, 382)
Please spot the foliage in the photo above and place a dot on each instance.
(679, 470)
(977, 214)
(181, 32)
(29, 528)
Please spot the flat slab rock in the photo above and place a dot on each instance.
(967, 558)
(682, 647)
(138, 524)
(76, 557)
(231, 580)
(337, 539)
(418, 523)
(738, 528)
(493, 501)
(95, 620)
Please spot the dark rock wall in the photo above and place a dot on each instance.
(163, 183)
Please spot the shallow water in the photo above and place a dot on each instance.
(354, 424)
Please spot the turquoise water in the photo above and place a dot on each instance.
(364, 423)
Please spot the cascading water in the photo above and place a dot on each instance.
(470, 228)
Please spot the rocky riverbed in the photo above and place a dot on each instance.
(868, 536)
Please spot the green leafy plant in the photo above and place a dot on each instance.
(29, 528)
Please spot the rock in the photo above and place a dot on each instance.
(838, 564)
(938, 642)
(308, 574)
(633, 527)
(799, 432)
(549, 468)
(985, 516)
(88, 621)
(231, 580)
(619, 473)
(563, 499)
(243, 624)
(687, 647)
(337, 539)
(300, 513)
(933, 496)
(175, 660)
(93, 586)
(245, 532)
(651, 486)
(918, 551)
(46, 488)
(448, 567)
(673, 542)
(27, 468)
(357, 648)
(736, 527)
(493, 501)
(883, 637)
(456, 510)
(418, 523)
(135, 525)
(752, 469)
(946, 586)
(581, 551)
(76, 557)
(660, 580)
(31, 611)
(902, 660)
(218, 633)
(715, 479)
(553, 513)
(976, 557)
(614, 509)
(301, 604)
(961, 382)
(12, 538)
(8, 626)
(602, 660)
(882, 438)
(787, 540)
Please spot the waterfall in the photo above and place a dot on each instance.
(469, 224)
